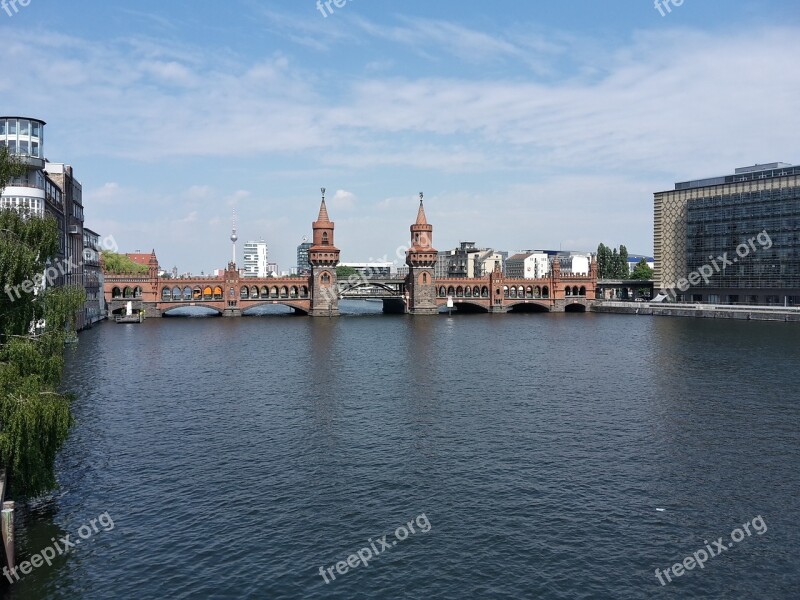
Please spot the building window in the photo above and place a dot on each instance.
(12, 127)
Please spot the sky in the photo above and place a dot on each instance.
(528, 125)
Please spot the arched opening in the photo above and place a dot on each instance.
(127, 293)
(303, 292)
(137, 292)
(537, 292)
(284, 292)
(459, 292)
(451, 291)
(326, 278)
(442, 292)
(197, 294)
(293, 292)
(513, 292)
(254, 292)
(424, 279)
(528, 308)
(244, 293)
(529, 292)
(575, 308)
(166, 296)
(575, 290)
(505, 291)
(177, 294)
(264, 292)
(545, 292)
(187, 293)
(218, 294)
(476, 292)
(324, 238)
(273, 292)
(468, 292)
(484, 292)
(568, 291)
(582, 291)
(208, 293)
(116, 293)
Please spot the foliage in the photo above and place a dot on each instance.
(120, 264)
(642, 270)
(10, 167)
(344, 273)
(34, 417)
(612, 263)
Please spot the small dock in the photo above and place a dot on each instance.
(136, 318)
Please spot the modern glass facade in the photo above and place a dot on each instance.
(720, 224)
(303, 264)
(740, 233)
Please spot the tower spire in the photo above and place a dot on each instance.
(323, 210)
(421, 218)
(234, 236)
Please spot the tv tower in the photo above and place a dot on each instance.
(234, 237)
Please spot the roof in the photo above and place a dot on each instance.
(139, 258)
(323, 213)
(522, 256)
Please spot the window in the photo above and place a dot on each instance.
(24, 128)
(2, 127)
(35, 129)
(12, 127)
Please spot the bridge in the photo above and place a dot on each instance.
(318, 294)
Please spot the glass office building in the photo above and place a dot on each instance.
(740, 233)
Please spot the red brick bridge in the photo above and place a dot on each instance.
(318, 294)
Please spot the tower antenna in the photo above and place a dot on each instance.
(234, 236)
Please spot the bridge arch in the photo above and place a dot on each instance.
(527, 307)
(575, 307)
(473, 306)
(297, 306)
(172, 307)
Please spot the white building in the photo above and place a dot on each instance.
(24, 138)
(528, 265)
(575, 263)
(255, 259)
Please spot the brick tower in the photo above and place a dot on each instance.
(324, 257)
(421, 259)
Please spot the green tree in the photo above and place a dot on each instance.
(10, 167)
(602, 261)
(343, 273)
(120, 264)
(622, 270)
(34, 324)
(642, 270)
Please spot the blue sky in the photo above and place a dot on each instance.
(526, 124)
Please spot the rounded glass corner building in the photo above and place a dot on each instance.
(24, 139)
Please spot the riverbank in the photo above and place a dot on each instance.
(704, 311)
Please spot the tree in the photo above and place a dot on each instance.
(344, 273)
(34, 324)
(642, 270)
(10, 167)
(120, 264)
(602, 261)
(623, 271)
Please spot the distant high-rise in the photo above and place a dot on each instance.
(303, 265)
(255, 259)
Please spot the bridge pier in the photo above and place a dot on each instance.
(232, 311)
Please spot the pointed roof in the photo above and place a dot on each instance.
(323, 213)
(421, 219)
